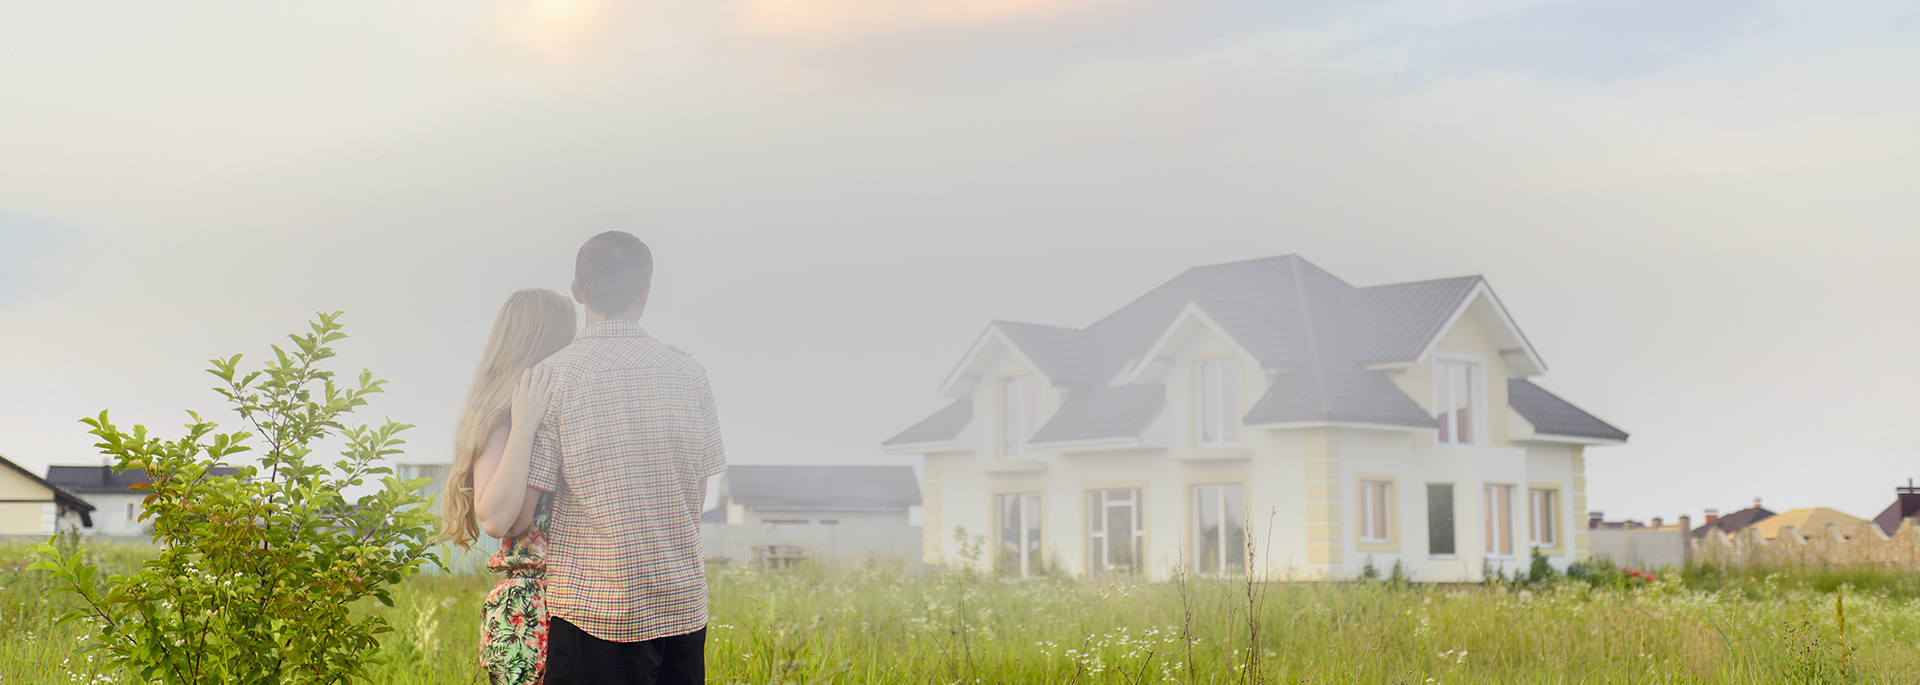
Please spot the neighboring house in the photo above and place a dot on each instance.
(1732, 522)
(1393, 423)
(815, 495)
(31, 506)
(1808, 521)
(817, 511)
(1906, 505)
(117, 504)
(474, 558)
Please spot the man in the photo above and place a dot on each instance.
(627, 447)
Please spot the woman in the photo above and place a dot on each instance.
(488, 486)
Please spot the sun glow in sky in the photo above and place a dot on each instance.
(566, 30)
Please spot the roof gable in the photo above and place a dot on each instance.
(1400, 321)
(1906, 505)
(1067, 357)
(1552, 416)
(942, 426)
(58, 494)
(1321, 337)
(1104, 413)
(1735, 521)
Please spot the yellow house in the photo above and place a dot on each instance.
(1808, 521)
(1264, 405)
(30, 506)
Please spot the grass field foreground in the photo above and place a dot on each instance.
(882, 621)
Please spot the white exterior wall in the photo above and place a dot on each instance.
(110, 513)
(1282, 468)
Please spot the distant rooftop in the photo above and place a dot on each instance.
(105, 480)
(822, 488)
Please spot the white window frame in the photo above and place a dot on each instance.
(1543, 528)
(1216, 389)
(1222, 549)
(1016, 416)
(1097, 504)
(1376, 512)
(1444, 394)
(1497, 500)
(1030, 536)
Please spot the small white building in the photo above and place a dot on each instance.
(815, 495)
(117, 506)
(32, 507)
(1264, 403)
(830, 511)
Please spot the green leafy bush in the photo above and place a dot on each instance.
(257, 572)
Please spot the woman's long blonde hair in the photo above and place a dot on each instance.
(533, 324)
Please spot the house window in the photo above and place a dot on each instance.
(1219, 403)
(1219, 528)
(1500, 520)
(1373, 511)
(1455, 385)
(1540, 508)
(1440, 520)
(1019, 533)
(1016, 416)
(1115, 538)
(132, 510)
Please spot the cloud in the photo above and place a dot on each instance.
(25, 242)
(1587, 39)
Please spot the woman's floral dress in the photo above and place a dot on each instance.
(513, 620)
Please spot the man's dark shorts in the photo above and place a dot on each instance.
(576, 658)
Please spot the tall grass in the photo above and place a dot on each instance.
(881, 621)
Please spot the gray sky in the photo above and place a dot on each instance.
(1704, 214)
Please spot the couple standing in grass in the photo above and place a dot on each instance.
(588, 452)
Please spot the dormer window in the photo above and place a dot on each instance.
(1456, 385)
(1016, 416)
(1219, 412)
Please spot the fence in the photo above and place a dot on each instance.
(1861, 544)
(1641, 549)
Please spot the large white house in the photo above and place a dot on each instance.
(1391, 424)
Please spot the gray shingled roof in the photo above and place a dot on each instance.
(1551, 415)
(823, 488)
(1103, 413)
(1341, 395)
(942, 426)
(1394, 323)
(1292, 316)
(1065, 355)
(103, 479)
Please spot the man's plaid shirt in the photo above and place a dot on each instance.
(631, 435)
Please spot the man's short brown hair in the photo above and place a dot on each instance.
(613, 270)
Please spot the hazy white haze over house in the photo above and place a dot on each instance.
(1391, 423)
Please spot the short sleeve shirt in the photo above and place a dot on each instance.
(628, 441)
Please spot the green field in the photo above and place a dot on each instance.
(882, 622)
